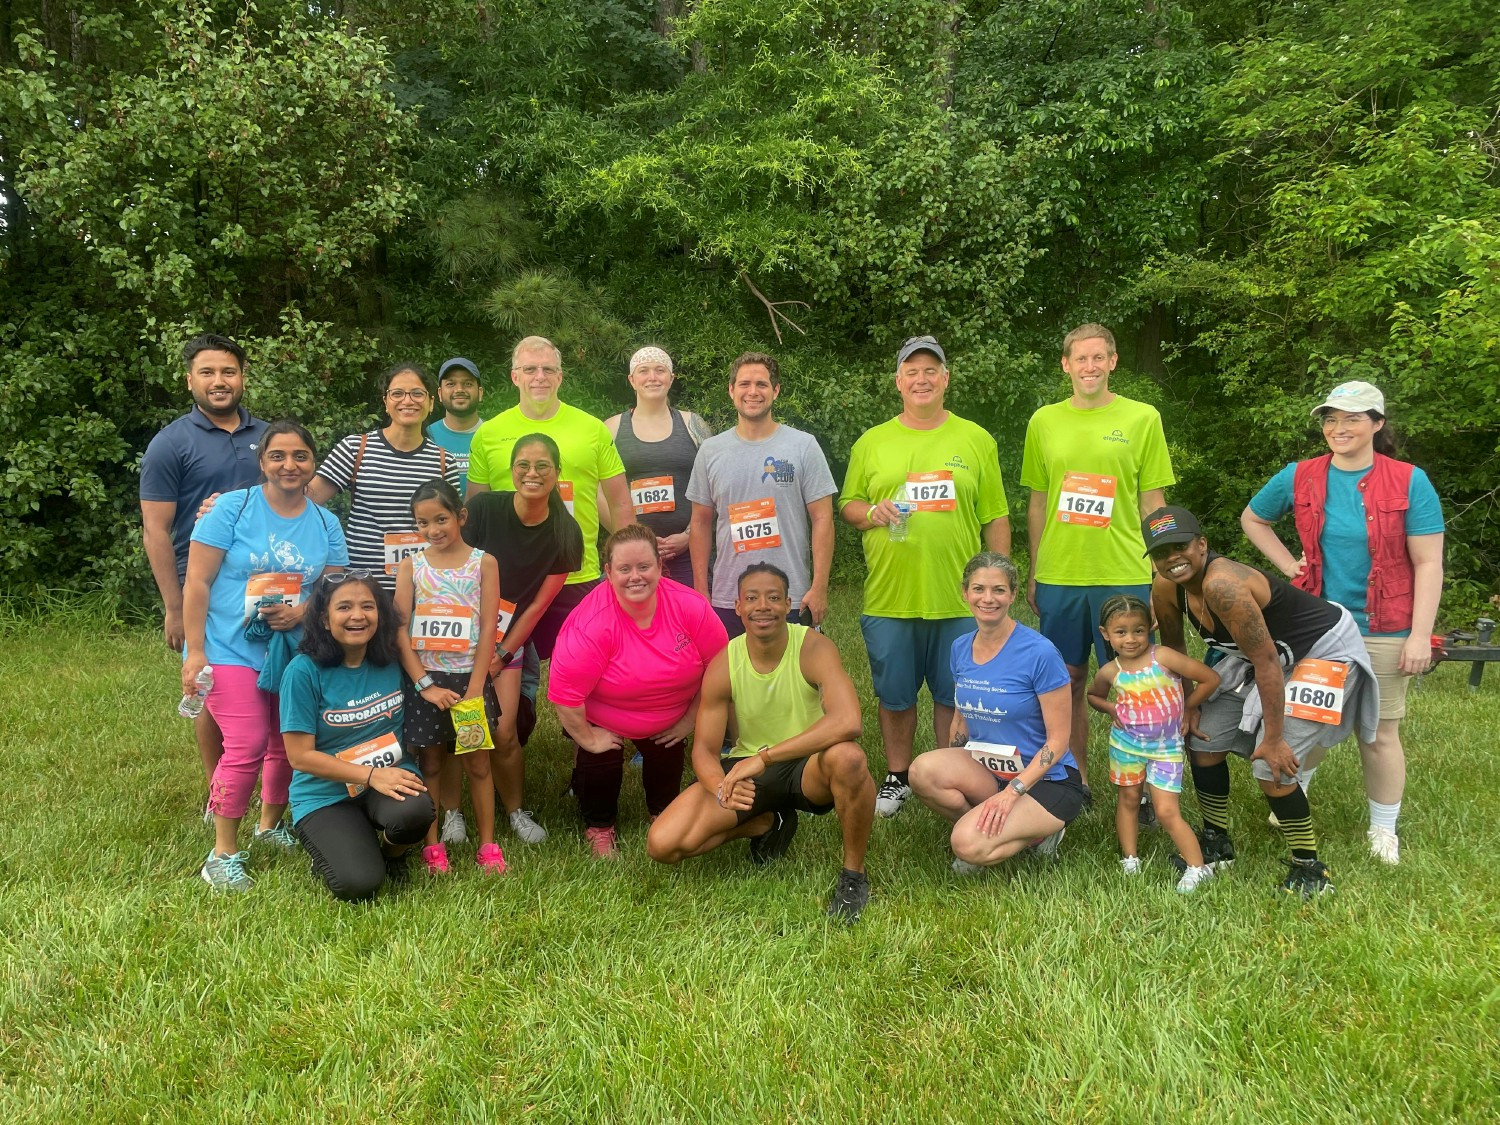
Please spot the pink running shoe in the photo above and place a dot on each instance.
(602, 840)
(435, 856)
(490, 859)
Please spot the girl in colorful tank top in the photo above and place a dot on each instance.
(449, 597)
(1152, 716)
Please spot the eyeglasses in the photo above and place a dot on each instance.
(339, 577)
(531, 369)
(418, 395)
(1333, 421)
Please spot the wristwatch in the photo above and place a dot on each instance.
(506, 656)
(1018, 786)
(423, 684)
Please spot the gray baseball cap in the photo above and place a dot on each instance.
(458, 361)
(921, 344)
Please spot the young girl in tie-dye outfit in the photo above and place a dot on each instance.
(1151, 721)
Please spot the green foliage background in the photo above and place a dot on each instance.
(1263, 200)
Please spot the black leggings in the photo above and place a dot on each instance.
(343, 839)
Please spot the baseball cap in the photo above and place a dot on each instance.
(458, 361)
(1169, 525)
(920, 344)
(1354, 397)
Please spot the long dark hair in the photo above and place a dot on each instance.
(1385, 437)
(555, 505)
(383, 649)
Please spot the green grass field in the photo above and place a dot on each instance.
(572, 990)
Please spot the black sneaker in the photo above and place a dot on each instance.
(773, 844)
(1148, 813)
(398, 868)
(1308, 878)
(1218, 851)
(1088, 798)
(850, 896)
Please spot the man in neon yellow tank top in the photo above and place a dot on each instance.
(797, 716)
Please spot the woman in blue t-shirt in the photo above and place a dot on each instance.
(358, 802)
(1008, 782)
(1356, 493)
(251, 563)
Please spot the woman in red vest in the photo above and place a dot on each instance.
(1371, 530)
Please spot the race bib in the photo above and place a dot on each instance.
(565, 490)
(441, 628)
(380, 751)
(503, 619)
(932, 492)
(1002, 761)
(653, 494)
(1086, 499)
(257, 586)
(1316, 691)
(753, 525)
(400, 545)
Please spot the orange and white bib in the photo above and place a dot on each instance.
(753, 525)
(257, 586)
(398, 545)
(1316, 691)
(932, 492)
(1002, 761)
(437, 627)
(381, 751)
(653, 494)
(1086, 499)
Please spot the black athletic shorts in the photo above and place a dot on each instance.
(778, 789)
(425, 725)
(1063, 799)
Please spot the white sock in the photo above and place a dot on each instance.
(1384, 816)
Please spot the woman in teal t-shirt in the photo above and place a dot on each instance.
(358, 802)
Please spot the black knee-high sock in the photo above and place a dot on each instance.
(1296, 822)
(1212, 786)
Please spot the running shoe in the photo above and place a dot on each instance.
(281, 836)
(892, 795)
(455, 831)
(964, 867)
(226, 873)
(1148, 812)
(602, 841)
(1131, 865)
(1192, 877)
(1385, 845)
(435, 856)
(1218, 851)
(397, 868)
(774, 843)
(850, 896)
(491, 859)
(1308, 878)
(1088, 798)
(1046, 847)
(523, 824)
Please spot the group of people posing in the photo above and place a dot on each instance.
(341, 653)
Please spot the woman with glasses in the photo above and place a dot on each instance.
(358, 801)
(381, 469)
(1371, 532)
(251, 563)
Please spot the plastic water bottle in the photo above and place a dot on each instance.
(192, 705)
(896, 529)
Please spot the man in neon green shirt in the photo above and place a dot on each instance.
(1096, 463)
(946, 472)
(590, 464)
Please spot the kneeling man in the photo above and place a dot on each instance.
(797, 715)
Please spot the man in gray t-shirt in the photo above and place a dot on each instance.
(761, 492)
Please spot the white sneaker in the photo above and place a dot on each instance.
(1046, 847)
(1192, 877)
(527, 830)
(454, 829)
(891, 797)
(1131, 865)
(964, 867)
(1384, 845)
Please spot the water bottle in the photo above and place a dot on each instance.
(896, 529)
(192, 705)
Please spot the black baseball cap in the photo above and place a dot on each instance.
(920, 344)
(458, 361)
(1169, 525)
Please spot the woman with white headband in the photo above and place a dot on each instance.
(658, 444)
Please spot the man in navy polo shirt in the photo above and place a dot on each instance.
(211, 448)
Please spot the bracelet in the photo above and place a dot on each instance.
(369, 775)
(764, 754)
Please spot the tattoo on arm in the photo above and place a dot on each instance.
(1234, 604)
(1046, 756)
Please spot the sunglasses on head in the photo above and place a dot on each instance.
(339, 577)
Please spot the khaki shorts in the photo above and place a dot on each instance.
(1385, 658)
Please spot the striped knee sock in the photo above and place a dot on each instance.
(1212, 786)
(1296, 823)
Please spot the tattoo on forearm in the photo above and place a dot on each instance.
(1046, 756)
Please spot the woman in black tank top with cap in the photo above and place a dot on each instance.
(658, 444)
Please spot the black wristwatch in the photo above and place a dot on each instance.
(506, 656)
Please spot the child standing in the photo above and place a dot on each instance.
(449, 595)
(1151, 723)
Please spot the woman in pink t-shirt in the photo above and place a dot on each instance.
(628, 664)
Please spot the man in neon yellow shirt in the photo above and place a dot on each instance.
(1095, 463)
(946, 472)
(797, 716)
(590, 464)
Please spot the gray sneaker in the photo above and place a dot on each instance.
(1046, 847)
(524, 825)
(226, 873)
(891, 796)
(850, 897)
(454, 829)
(281, 836)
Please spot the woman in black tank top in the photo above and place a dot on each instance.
(658, 444)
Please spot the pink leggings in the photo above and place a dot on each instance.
(251, 722)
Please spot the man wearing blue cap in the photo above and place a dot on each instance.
(460, 392)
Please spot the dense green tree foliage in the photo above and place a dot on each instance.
(1263, 200)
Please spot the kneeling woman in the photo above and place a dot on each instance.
(1015, 784)
(358, 802)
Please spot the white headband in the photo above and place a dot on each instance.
(650, 355)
